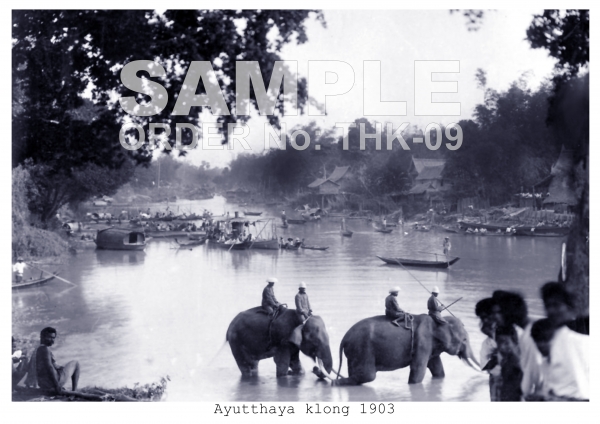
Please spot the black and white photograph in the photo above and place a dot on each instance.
(323, 213)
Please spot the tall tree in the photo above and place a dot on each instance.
(565, 34)
(60, 56)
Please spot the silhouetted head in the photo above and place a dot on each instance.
(484, 310)
(558, 302)
(542, 332)
(509, 309)
(507, 340)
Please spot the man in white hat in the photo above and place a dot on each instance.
(18, 269)
(392, 309)
(435, 307)
(303, 309)
(269, 302)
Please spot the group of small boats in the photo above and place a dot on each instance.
(497, 230)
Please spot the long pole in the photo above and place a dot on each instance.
(54, 275)
(446, 307)
(265, 226)
(426, 289)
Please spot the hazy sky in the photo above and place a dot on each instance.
(397, 38)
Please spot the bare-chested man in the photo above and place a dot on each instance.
(51, 376)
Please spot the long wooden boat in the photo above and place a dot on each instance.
(30, 283)
(296, 221)
(196, 235)
(265, 244)
(383, 230)
(315, 247)
(488, 234)
(245, 245)
(167, 234)
(346, 233)
(422, 229)
(189, 243)
(192, 217)
(450, 230)
(542, 231)
(249, 213)
(418, 263)
(489, 227)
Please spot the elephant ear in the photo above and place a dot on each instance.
(296, 336)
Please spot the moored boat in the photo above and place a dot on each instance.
(418, 262)
(315, 247)
(296, 221)
(244, 245)
(251, 213)
(189, 243)
(542, 231)
(120, 239)
(383, 230)
(265, 244)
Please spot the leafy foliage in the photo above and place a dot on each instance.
(60, 55)
(566, 36)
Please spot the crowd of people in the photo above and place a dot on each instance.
(533, 360)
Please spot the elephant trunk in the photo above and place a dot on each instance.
(324, 354)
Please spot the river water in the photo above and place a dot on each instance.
(134, 317)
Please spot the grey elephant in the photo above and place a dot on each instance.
(374, 344)
(249, 339)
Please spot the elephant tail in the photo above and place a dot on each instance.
(341, 359)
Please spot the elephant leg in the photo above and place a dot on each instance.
(282, 361)
(436, 367)
(359, 371)
(295, 364)
(418, 367)
(247, 365)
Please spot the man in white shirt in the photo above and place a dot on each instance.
(18, 269)
(565, 367)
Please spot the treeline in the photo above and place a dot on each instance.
(375, 172)
(507, 146)
(167, 171)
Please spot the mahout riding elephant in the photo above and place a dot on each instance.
(250, 341)
(374, 344)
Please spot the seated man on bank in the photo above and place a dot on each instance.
(51, 376)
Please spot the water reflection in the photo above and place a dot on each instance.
(119, 257)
